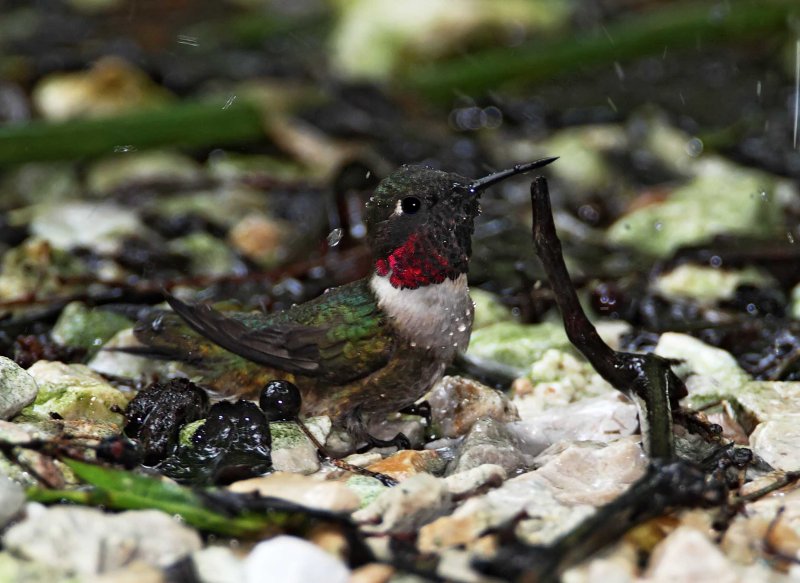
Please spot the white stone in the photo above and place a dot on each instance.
(687, 556)
(604, 418)
(710, 371)
(87, 541)
(218, 565)
(523, 495)
(12, 499)
(289, 559)
(407, 506)
(777, 441)
(121, 364)
(491, 442)
(96, 225)
(473, 481)
(763, 400)
(557, 378)
(18, 389)
(590, 472)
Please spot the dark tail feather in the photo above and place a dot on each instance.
(165, 336)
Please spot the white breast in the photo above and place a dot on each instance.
(436, 317)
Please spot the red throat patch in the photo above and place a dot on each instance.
(413, 265)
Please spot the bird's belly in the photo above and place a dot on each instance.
(405, 378)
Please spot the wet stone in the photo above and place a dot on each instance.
(744, 540)
(407, 463)
(404, 508)
(603, 419)
(764, 400)
(18, 389)
(366, 488)
(710, 373)
(37, 268)
(233, 444)
(749, 208)
(12, 499)
(475, 481)
(292, 451)
(157, 413)
(589, 472)
(488, 309)
(161, 166)
(120, 364)
(81, 327)
(688, 555)
(457, 403)
(517, 344)
(776, 441)
(208, 255)
(707, 284)
(557, 378)
(491, 442)
(523, 495)
(15, 569)
(74, 391)
(100, 227)
(84, 541)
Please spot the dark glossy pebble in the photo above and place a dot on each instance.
(233, 444)
(157, 413)
(280, 401)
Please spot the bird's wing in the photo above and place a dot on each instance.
(339, 336)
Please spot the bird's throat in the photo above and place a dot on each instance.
(416, 264)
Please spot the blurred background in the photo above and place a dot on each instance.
(228, 147)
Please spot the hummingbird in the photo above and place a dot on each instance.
(367, 348)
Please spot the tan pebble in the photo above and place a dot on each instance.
(405, 464)
(446, 532)
(327, 495)
(372, 573)
(257, 236)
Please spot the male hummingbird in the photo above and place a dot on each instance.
(373, 346)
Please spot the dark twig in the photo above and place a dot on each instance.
(645, 378)
(785, 480)
(665, 486)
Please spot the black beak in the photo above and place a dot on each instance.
(483, 183)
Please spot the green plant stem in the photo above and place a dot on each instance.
(184, 124)
(674, 27)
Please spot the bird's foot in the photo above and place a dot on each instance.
(422, 409)
(399, 441)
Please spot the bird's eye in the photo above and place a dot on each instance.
(410, 205)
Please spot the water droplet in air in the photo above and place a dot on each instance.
(335, 237)
(124, 148)
(230, 101)
(185, 39)
(694, 147)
